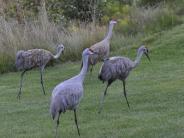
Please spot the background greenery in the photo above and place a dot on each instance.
(155, 90)
(26, 24)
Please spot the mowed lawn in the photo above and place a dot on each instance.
(155, 92)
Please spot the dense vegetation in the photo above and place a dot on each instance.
(74, 23)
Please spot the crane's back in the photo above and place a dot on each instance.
(32, 58)
(102, 48)
(115, 68)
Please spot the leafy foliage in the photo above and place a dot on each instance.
(69, 22)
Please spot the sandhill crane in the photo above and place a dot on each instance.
(27, 60)
(119, 68)
(67, 95)
(102, 47)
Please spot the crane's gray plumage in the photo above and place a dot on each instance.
(67, 95)
(119, 68)
(27, 60)
(102, 47)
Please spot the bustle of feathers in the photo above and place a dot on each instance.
(35, 57)
(115, 68)
(32, 58)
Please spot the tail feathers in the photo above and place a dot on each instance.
(105, 74)
(53, 111)
(58, 105)
(53, 114)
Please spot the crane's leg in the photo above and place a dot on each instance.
(103, 96)
(21, 79)
(125, 94)
(41, 79)
(76, 121)
(57, 124)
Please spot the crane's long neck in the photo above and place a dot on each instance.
(138, 59)
(58, 54)
(84, 69)
(109, 33)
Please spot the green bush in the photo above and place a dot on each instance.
(41, 33)
(166, 20)
(152, 2)
(148, 20)
(6, 63)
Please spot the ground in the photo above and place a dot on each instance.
(155, 92)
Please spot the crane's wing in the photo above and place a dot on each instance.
(102, 48)
(68, 94)
(115, 68)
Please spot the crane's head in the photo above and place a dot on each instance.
(113, 22)
(61, 48)
(145, 51)
(88, 51)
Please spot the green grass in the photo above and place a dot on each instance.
(155, 92)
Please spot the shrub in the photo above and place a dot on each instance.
(149, 19)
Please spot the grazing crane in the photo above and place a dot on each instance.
(67, 95)
(27, 60)
(118, 68)
(102, 47)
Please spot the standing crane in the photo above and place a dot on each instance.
(102, 47)
(27, 60)
(119, 68)
(67, 95)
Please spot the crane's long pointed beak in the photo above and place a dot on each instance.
(148, 56)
